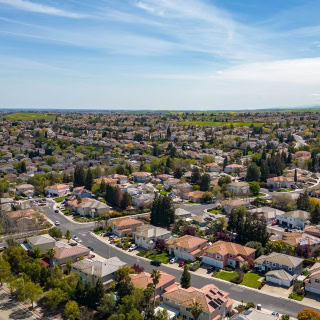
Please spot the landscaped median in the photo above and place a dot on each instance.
(249, 279)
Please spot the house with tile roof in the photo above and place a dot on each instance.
(212, 167)
(65, 252)
(221, 254)
(313, 230)
(239, 188)
(234, 168)
(103, 269)
(57, 190)
(215, 303)
(186, 247)
(90, 207)
(280, 182)
(312, 283)
(141, 281)
(141, 177)
(293, 219)
(279, 268)
(146, 235)
(229, 205)
(123, 227)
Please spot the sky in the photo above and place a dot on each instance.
(159, 54)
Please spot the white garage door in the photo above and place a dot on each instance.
(314, 290)
(212, 262)
(273, 280)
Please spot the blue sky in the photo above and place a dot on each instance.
(159, 54)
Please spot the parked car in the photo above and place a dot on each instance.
(274, 223)
(181, 263)
(57, 223)
(173, 260)
(73, 244)
(107, 234)
(91, 256)
(56, 211)
(274, 313)
(79, 240)
(210, 269)
(133, 247)
(90, 248)
(155, 263)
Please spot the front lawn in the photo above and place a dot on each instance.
(224, 275)
(60, 199)
(293, 295)
(163, 257)
(251, 280)
(189, 203)
(214, 211)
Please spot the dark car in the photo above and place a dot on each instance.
(73, 244)
(90, 248)
(155, 263)
(107, 234)
(56, 211)
(210, 269)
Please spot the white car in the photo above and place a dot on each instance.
(75, 238)
(57, 223)
(133, 247)
(173, 260)
(79, 240)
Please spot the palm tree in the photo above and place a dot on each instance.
(196, 310)
(155, 276)
(51, 253)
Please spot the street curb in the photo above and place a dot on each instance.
(209, 277)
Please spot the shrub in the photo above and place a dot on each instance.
(237, 279)
(228, 268)
(250, 305)
(245, 268)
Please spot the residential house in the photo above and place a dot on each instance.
(214, 302)
(143, 200)
(313, 230)
(121, 179)
(22, 220)
(254, 314)
(141, 177)
(293, 219)
(104, 269)
(195, 196)
(146, 236)
(239, 188)
(171, 183)
(221, 254)
(43, 242)
(58, 190)
(268, 212)
(312, 283)
(229, 205)
(123, 227)
(280, 182)
(90, 207)
(279, 268)
(25, 189)
(186, 247)
(81, 192)
(234, 168)
(212, 167)
(65, 252)
(183, 190)
(182, 213)
(141, 281)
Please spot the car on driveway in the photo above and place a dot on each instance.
(173, 260)
(210, 269)
(57, 223)
(181, 263)
(133, 247)
(73, 244)
(56, 211)
(274, 223)
(155, 263)
(90, 248)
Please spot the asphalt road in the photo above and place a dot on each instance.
(236, 292)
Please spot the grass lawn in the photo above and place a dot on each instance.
(163, 257)
(189, 203)
(285, 190)
(251, 280)
(215, 124)
(60, 199)
(164, 193)
(214, 211)
(295, 296)
(224, 275)
(27, 116)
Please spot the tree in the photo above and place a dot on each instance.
(89, 180)
(253, 173)
(315, 214)
(255, 245)
(55, 233)
(254, 187)
(178, 173)
(205, 182)
(285, 317)
(5, 271)
(308, 314)
(196, 310)
(54, 297)
(295, 175)
(71, 310)
(107, 306)
(51, 253)
(162, 211)
(195, 176)
(69, 266)
(68, 235)
(124, 286)
(116, 196)
(189, 230)
(125, 201)
(79, 176)
(155, 276)
(31, 292)
(303, 202)
(185, 280)
(225, 162)
(224, 180)
(160, 244)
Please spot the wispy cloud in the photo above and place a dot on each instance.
(40, 8)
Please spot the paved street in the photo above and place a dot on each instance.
(197, 209)
(236, 292)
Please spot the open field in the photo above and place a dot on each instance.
(215, 124)
(27, 116)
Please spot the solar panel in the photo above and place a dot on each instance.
(213, 304)
(212, 292)
(220, 293)
(218, 302)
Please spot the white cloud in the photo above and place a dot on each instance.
(40, 8)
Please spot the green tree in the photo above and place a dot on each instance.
(315, 214)
(162, 211)
(196, 310)
(55, 233)
(71, 310)
(107, 306)
(68, 235)
(31, 292)
(51, 253)
(195, 176)
(89, 180)
(255, 245)
(124, 286)
(36, 252)
(253, 173)
(303, 202)
(125, 201)
(54, 297)
(295, 175)
(79, 176)
(205, 182)
(254, 187)
(5, 271)
(155, 276)
(185, 280)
